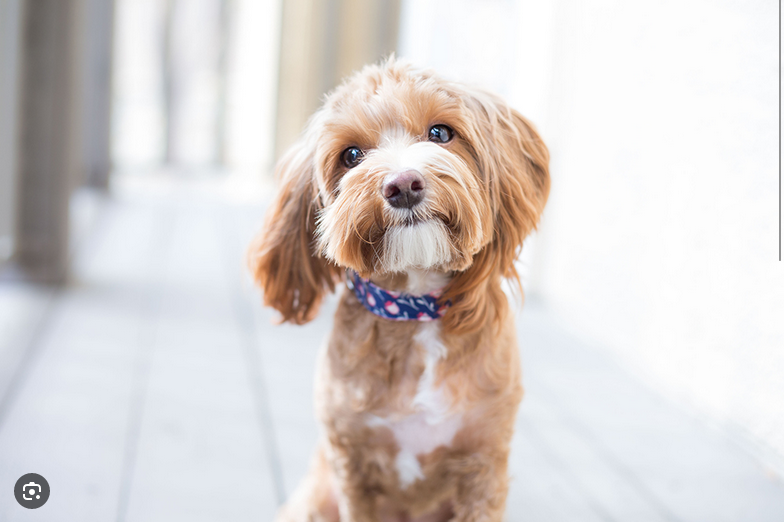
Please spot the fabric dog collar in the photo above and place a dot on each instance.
(396, 306)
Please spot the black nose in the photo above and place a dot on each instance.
(404, 189)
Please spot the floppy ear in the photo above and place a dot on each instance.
(282, 260)
(513, 162)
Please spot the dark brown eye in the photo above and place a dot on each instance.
(440, 134)
(352, 157)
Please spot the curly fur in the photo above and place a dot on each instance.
(417, 418)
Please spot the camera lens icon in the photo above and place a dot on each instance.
(34, 491)
(31, 491)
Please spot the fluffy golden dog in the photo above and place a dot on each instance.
(418, 192)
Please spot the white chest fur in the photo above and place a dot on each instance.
(432, 424)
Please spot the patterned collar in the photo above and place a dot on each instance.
(396, 306)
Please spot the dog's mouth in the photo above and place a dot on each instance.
(418, 243)
(412, 220)
(411, 217)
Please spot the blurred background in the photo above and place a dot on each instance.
(139, 373)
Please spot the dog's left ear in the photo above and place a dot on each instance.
(282, 258)
(513, 162)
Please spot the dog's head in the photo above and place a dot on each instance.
(398, 170)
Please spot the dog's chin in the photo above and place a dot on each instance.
(420, 245)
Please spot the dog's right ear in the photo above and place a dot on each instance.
(282, 259)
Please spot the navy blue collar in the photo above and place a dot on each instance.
(396, 306)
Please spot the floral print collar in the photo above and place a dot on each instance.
(397, 306)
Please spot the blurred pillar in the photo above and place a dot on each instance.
(10, 22)
(167, 75)
(195, 56)
(47, 124)
(97, 17)
(322, 41)
(225, 10)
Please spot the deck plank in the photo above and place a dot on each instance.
(68, 419)
(201, 452)
(288, 358)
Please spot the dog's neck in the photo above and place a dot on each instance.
(413, 281)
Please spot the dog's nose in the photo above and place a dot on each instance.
(404, 189)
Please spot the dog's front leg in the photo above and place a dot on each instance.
(482, 488)
(357, 490)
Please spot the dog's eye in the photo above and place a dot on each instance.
(440, 134)
(352, 157)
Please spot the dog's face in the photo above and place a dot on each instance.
(396, 164)
(400, 170)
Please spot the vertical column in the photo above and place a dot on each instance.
(167, 75)
(96, 49)
(321, 42)
(225, 26)
(300, 58)
(46, 120)
(10, 22)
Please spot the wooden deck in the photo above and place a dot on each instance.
(154, 388)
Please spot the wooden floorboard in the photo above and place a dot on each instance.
(68, 420)
(201, 452)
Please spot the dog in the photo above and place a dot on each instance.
(417, 192)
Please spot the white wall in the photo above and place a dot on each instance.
(660, 240)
